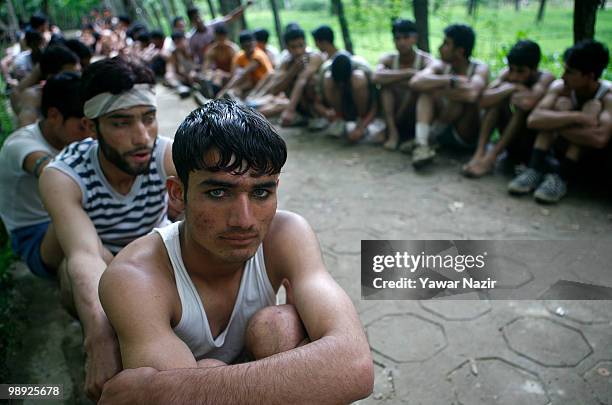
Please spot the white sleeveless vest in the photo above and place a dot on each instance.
(255, 293)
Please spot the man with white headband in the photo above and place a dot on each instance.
(102, 194)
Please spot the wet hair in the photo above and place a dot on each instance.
(244, 139)
(293, 33)
(525, 53)
(62, 91)
(157, 34)
(192, 12)
(246, 36)
(261, 35)
(143, 36)
(37, 20)
(588, 56)
(54, 58)
(176, 35)
(323, 33)
(114, 75)
(403, 26)
(221, 29)
(79, 48)
(175, 21)
(463, 36)
(135, 30)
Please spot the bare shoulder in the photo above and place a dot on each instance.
(546, 77)
(557, 87)
(139, 269)
(386, 60)
(287, 224)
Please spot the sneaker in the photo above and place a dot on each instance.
(317, 124)
(552, 189)
(422, 155)
(525, 182)
(407, 146)
(336, 129)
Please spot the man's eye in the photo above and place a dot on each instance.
(149, 119)
(261, 193)
(120, 124)
(217, 193)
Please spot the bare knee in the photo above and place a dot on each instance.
(563, 104)
(273, 330)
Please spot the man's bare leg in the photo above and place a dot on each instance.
(274, 330)
(489, 122)
(387, 98)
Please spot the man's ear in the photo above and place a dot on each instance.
(91, 127)
(176, 200)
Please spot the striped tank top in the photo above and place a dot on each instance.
(119, 219)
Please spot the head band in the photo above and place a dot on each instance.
(104, 103)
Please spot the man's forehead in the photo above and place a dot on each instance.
(132, 111)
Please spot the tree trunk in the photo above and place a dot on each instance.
(188, 4)
(130, 9)
(173, 9)
(541, 11)
(45, 7)
(211, 8)
(156, 13)
(277, 24)
(13, 21)
(348, 44)
(585, 14)
(166, 12)
(472, 4)
(603, 5)
(235, 26)
(517, 5)
(421, 16)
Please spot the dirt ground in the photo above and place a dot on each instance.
(427, 352)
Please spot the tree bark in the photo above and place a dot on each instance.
(472, 4)
(237, 25)
(585, 15)
(130, 9)
(421, 16)
(346, 35)
(517, 5)
(13, 21)
(211, 8)
(541, 10)
(188, 4)
(277, 24)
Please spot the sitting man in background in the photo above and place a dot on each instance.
(103, 193)
(217, 68)
(578, 110)
(261, 36)
(249, 67)
(190, 298)
(23, 156)
(507, 102)
(449, 91)
(393, 74)
(324, 41)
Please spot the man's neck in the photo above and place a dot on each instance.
(407, 56)
(460, 66)
(47, 133)
(330, 51)
(119, 180)
(588, 92)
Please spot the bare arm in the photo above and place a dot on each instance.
(335, 368)
(298, 89)
(594, 136)
(468, 90)
(85, 264)
(544, 117)
(497, 90)
(235, 13)
(31, 79)
(430, 78)
(385, 75)
(526, 99)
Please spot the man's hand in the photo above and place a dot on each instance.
(128, 387)
(287, 117)
(103, 362)
(587, 120)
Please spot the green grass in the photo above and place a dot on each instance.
(497, 27)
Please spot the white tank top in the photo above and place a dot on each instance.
(255, 293)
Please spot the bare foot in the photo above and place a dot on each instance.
(391, 143)
(480, 167)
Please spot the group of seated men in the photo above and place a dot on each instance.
(171, 252)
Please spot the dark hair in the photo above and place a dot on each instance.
(143, 36)
(54, 57)
(525, 53)
(240, 135)
(588, 56)
(135, 30)
(175, 20)
(79, 48)
(221, 29)
(246, 36)
(87, 26)
(323, 33)
(192, 12)
(261, 35)
(463, 36)
(403, 26)
(114, 75)
(292, 26)
(33, 38)
(62, 91)
(157, 34)
(176, 35)
(37, 20)
(293, 34)
(125, 19)
(341, 67)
